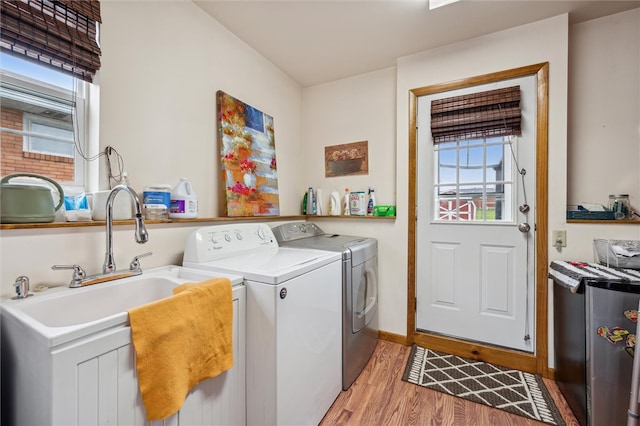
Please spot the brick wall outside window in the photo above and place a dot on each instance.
(15, 160)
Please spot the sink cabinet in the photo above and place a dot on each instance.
(92, 380)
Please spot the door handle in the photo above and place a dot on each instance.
(524, 227)
(369, 299)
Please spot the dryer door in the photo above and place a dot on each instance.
(364, 293)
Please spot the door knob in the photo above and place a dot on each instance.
(524, 227)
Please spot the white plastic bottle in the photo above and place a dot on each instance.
(318, 200)
(346, 211)
(184, 202)
(334, 206)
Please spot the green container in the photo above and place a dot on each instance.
(384, 210)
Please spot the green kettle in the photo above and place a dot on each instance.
(22, 203)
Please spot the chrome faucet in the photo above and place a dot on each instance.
(142, 236)
(22, 287)
(109, 271)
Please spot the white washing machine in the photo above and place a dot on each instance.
(294, 317)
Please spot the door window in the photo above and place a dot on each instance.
(473, 181)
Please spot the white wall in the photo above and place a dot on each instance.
(158, 84)
(604, 124)
(162, 64)
(351, 110)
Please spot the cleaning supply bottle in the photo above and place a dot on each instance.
(184, 202)
(314, 204)
(319, 207)
(310, 201)
(372, 202)
(304, 203)
(334, 206)
(346, 210)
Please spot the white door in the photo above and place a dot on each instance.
(475, 259)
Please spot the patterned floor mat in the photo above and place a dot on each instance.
(510, 390)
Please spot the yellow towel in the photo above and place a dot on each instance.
(180, 341)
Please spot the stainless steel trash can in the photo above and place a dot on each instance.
(594, 339)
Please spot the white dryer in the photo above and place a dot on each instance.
(294, 317)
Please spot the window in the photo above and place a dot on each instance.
(50, 53)
(473, 180)
(43, 120)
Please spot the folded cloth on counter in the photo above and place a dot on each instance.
(571, 274)
(181, 341)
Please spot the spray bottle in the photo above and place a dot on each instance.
(372, 202)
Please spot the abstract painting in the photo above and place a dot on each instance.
(248, 159)
(346, 159)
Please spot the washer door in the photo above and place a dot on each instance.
(364, 293)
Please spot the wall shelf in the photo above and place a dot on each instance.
(6, 226)
(608, 222)
(314, 216)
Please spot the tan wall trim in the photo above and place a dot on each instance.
(392, 337)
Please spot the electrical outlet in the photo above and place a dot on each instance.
(559, 238)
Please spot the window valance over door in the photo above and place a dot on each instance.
(477, 115)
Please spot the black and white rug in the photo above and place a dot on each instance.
(510, 390)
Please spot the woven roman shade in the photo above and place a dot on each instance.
(476, 115)
(59, 33)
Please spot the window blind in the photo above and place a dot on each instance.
(476, 115)
(62, 34)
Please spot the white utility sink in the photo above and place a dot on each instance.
(72, 351)
(60, 315)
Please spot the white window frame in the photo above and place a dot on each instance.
(28, 122)
(19, 87)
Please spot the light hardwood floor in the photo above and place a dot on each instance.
(380, 397)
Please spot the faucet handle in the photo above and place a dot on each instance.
(78, 274)
(135, 263)
(22, 287)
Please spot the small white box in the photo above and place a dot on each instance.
(357, 204)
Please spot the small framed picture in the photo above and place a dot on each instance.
(346, 159)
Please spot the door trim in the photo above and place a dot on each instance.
(537, 362)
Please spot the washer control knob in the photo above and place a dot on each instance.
(261, 234)
(227, 238)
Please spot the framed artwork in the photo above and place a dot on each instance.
(248, 159)
(346, 159)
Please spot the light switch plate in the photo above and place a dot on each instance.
(559, 238)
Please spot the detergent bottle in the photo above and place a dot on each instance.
(184, 202)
